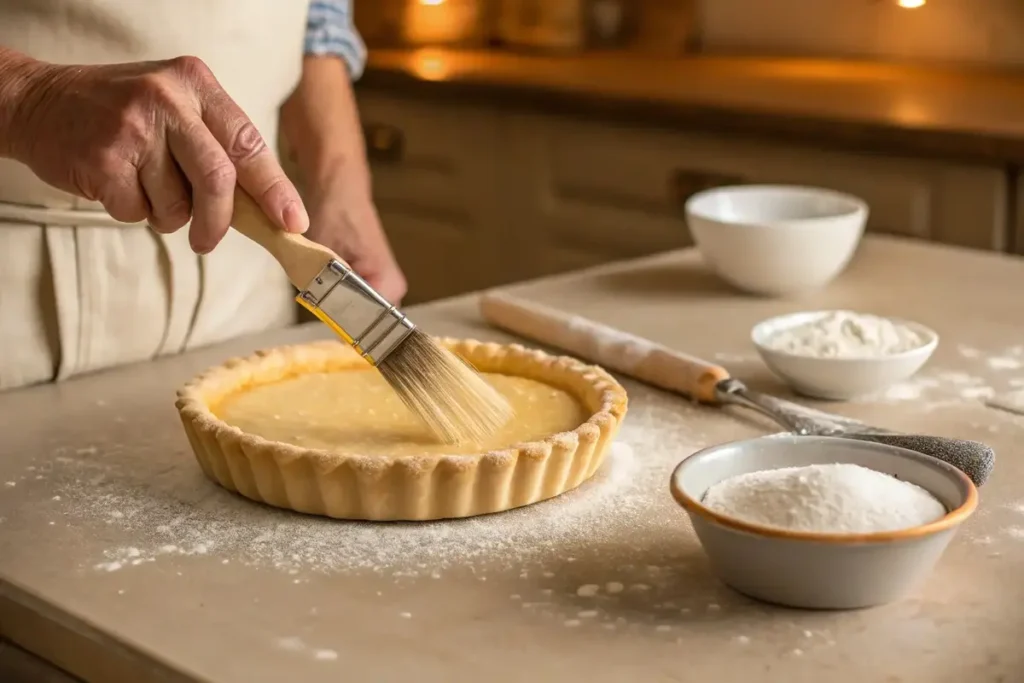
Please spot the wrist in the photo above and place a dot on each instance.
(341, 174)
(20, 77)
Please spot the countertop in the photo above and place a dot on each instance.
(960, 113)
(119, 561)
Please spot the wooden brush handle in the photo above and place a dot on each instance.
(301, 258)
(633, 356)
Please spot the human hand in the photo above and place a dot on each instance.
(158, 141)
(344, 219)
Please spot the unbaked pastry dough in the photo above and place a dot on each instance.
(314, 429)
(356, 412)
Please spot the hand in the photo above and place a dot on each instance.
(344, 219)
(157, 141)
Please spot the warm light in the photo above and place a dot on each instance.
(430, 64)
(435, 3)
(909, 4)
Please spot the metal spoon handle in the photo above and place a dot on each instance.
(973, 458)
(733, 391)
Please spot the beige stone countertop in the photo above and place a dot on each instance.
(119, 561)
(890, 108)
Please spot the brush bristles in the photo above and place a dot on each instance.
(455, 402)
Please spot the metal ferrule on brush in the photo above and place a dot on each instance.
(368, 321)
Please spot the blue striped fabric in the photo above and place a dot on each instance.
(330, 30)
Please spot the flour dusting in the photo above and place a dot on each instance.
(993, 377)
(613, 347)
(164, 528)
(296, 645)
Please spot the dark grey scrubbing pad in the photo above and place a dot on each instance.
(973, 458)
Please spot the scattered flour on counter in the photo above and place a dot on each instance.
(1012, 401)
(166, 524)
(845, 334)
(298, 646)
(839, 498)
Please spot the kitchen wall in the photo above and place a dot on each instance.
(988, 32)
(977, 31)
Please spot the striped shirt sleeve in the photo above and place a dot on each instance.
(330, 30)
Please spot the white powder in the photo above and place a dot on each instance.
(1011, 401)
(185, 519)
(837, 498)
(845, 334)
(627, 350)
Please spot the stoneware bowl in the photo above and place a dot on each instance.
(839, 378)
(819, 570)
(776, 240)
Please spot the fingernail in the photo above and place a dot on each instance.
(295, 217)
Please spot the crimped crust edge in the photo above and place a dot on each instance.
(435, 486)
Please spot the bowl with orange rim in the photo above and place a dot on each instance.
(811, 569)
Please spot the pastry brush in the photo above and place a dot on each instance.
(711, 384)
(455, 402)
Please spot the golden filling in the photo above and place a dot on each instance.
(356, 412)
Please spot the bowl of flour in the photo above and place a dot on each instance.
(822, 522)
(838, 355)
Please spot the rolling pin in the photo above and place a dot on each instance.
(608, 347)
(678, 372)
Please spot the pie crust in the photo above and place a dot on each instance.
(408, 487)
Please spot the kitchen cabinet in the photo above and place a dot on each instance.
(434, 181)
(1018, 226)
(474, 196)
(620, 191)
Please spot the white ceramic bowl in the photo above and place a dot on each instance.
(839, 378)
(817, 570)
(776, 240)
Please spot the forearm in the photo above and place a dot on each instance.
(17, 74)
(320, 121)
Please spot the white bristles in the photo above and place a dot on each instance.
(450, 396)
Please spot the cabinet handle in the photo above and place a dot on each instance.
(384, 143)
(684, 183)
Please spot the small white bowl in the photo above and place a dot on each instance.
(776, 240)
(839, 379)
(818, 570)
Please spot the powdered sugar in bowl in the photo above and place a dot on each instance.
(842, 354)
(814, 522)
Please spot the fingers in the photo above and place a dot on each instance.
(166, 189)
(258, 171)
(211, 174)
(383, 274)
(123, 198)
(390, 284)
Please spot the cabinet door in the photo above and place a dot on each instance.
(1017, 238)
(599, 191)
(434, 185)
(585, 196)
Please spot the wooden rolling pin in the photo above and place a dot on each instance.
(613, 349)
(675, 371)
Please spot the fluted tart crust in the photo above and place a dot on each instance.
(400, 481)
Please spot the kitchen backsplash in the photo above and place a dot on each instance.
(979, 31)
(968, 31)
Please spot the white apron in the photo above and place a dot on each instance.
(81, 292)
